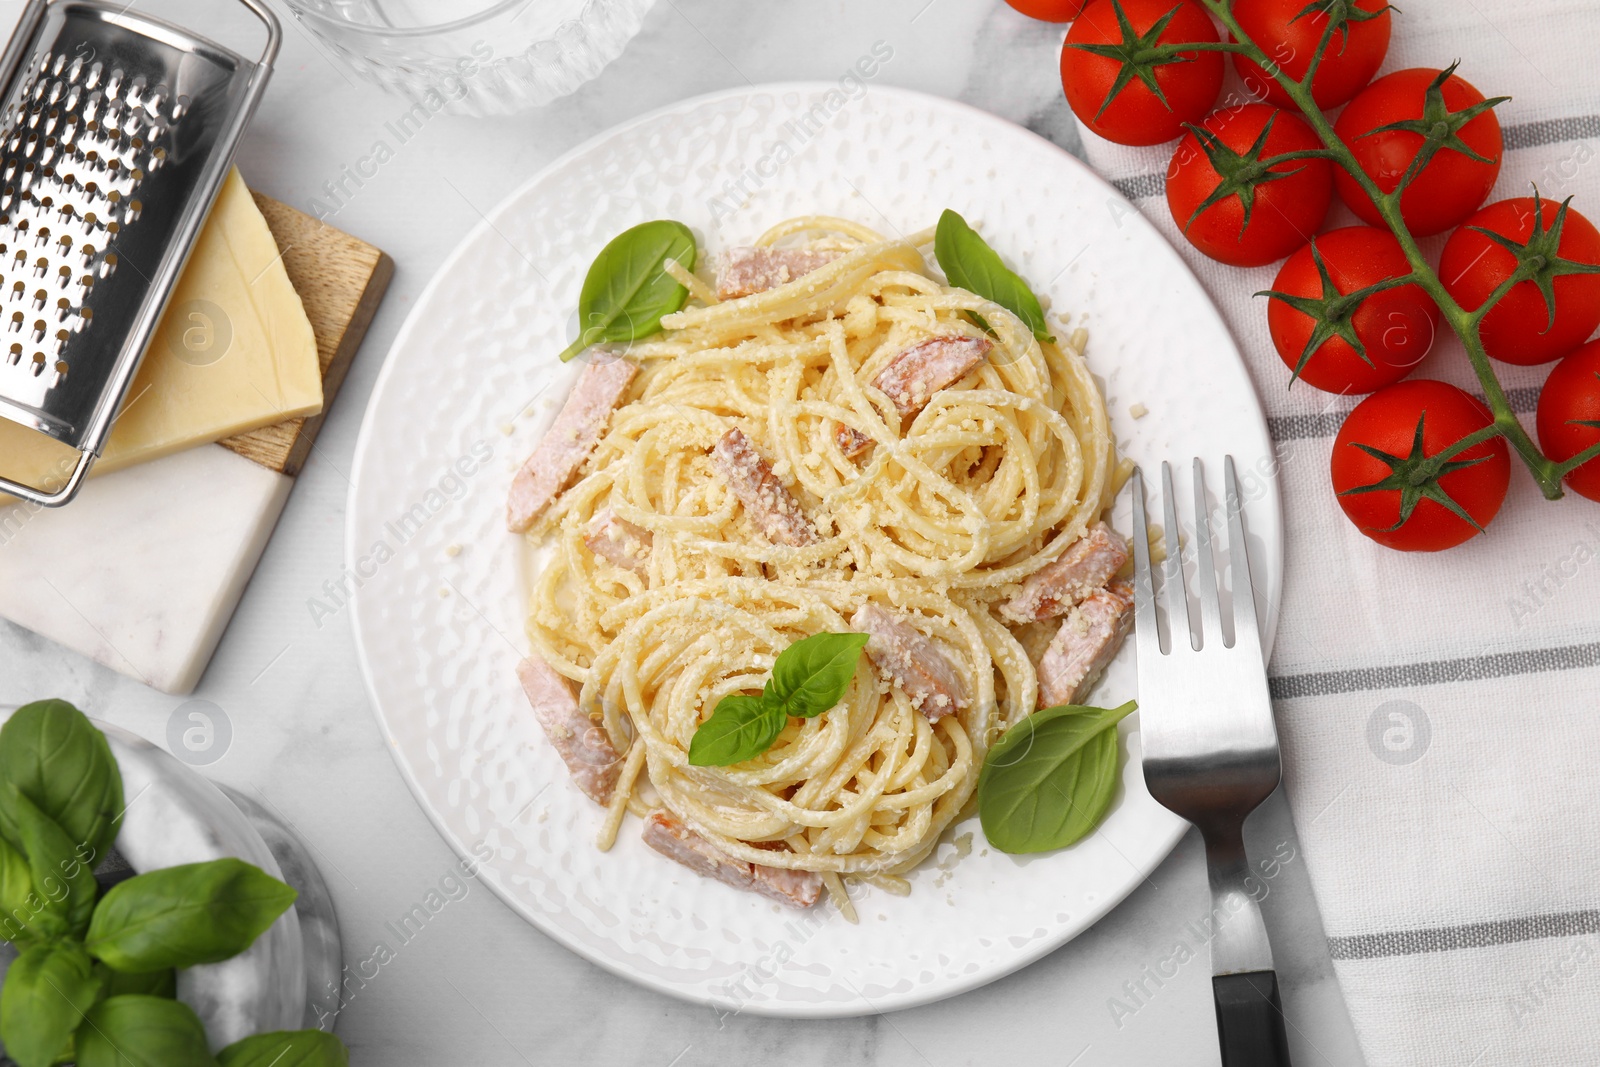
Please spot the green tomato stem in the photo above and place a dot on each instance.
(1304, 153)
(1162, 51)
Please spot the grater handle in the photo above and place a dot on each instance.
(274, 31)
(60, 496)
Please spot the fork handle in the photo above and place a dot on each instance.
(1250, 1019)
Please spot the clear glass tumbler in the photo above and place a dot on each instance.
(484, 57)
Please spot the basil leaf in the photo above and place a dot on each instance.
(811, 675)
(1098, 775)
(286, 1048)
(1050, 779)
(184, 916)
(64, 884)
(56, 758)
(18, 901)
(740, 728)
(152, 984)
(627, 289)
(139, 1031)
(969, 263)
(46, 992)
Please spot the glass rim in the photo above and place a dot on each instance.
(298, 8)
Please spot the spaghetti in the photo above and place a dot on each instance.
(664, 593)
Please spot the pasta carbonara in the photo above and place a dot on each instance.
(789, 460)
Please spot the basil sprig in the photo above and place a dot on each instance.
(808, 678)
(1049, 780)
(60, 808)
(969, 263)
(628, 289)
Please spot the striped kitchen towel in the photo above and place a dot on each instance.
(1439, 712)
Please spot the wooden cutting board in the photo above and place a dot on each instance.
(188, 529)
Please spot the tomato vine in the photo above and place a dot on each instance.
(1439, 129)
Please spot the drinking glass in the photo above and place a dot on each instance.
(474, 57)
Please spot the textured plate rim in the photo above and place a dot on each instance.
(776, 1008)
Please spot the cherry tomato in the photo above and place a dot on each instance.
(1452, 185)
(1571, 397)
(1134, 115)
(1396, 327)
(1050, 10)
(1416, 518)
(1288, 31)
(1285, 211)
(1518, 329)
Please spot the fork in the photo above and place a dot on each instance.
(1211, 752)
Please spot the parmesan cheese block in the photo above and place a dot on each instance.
(234, 351)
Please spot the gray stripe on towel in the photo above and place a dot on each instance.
(1523, 135)
(1326, 423)
(1437, 672)
(1552, 131)
(1468, 935)
(1140, 186)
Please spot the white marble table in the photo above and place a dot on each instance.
(477, 985)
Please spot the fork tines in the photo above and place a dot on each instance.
(1246, 633)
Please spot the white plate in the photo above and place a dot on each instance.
(440, 630)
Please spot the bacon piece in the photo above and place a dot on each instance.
(1088, 639)
(571, 438)
(773, 509)
(619, 541)
(912, 661)
(912, 377)
(1088, 563)
(798, 888)
(666, 833)
(582, 744)
(852, 442)
(747, 271)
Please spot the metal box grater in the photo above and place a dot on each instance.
(116, 131)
